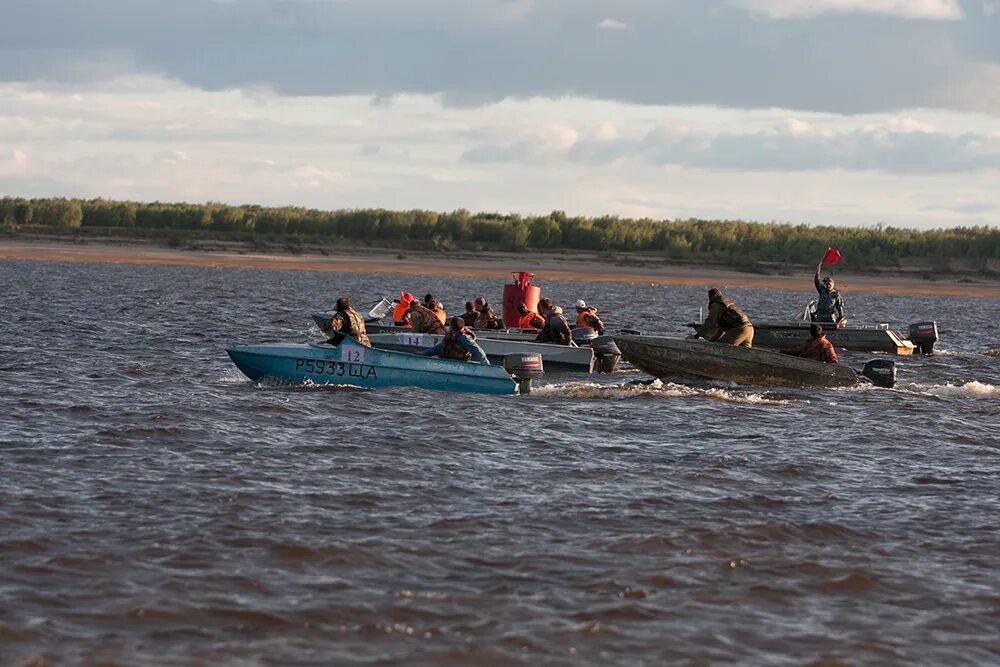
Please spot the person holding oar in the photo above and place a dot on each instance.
(830, 305)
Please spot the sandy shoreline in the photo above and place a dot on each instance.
(488, 264)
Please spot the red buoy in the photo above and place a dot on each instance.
(516, 292)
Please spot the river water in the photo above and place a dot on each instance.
(159, 508)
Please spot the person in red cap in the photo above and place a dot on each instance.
(401, 313)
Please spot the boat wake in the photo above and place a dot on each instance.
(237, 378)
(232, 376)
(656, 389)
(970, 390)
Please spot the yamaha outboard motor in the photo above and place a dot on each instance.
(923, 335)
(881, 373)
(524, 368)
(606, 352)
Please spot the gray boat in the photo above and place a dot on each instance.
(779, 335)
(554, 357)
(603, 351)
(663, 356)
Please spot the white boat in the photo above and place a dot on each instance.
(555, 357)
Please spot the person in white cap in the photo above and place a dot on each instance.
(586, 316)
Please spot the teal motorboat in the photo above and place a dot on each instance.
(351, 363)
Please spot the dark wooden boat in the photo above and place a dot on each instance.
(663, 356)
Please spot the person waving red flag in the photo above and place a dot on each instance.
(830, 304)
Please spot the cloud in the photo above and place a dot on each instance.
(899, 145)
(842, 56)
(155, 138)
(611, 24)
(14, 162)
(933, 10)
(963, 208)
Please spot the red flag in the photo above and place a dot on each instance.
(831, 257)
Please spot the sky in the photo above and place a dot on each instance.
(839, 112)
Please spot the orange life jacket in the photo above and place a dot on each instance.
(399, 311)
(589, 318)
(531, 320)
(441, 315)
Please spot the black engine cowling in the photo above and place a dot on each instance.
(583, 335)
(923, 335)
(606, 352)
(881, 373)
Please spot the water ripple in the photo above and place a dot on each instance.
(158, 508)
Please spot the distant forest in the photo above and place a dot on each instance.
(733, 241)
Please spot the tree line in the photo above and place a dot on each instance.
(717, 240)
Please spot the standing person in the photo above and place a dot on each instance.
(556, 329)
(347, 322)
(818, 347)
(586, 316)
(529, 319)
(458, 343)
(830, 304)
(424, 320)
(725, 323)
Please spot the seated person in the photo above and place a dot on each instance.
(586, 316)
(347, 322)
(435, 306)
(458, 343)
(529, 319)
(401, 312)
(424, 320)
(471, 314)
(818, 347)
(488, 320)
(556, 329)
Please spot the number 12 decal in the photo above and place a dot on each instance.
(352, 354)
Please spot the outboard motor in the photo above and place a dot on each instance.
(524, 368)
(606, 352)
(923, 335)
(881, 373)
(583, 335)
